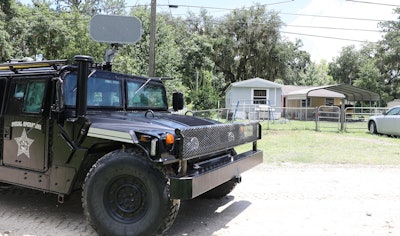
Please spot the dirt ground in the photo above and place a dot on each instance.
(271, 200)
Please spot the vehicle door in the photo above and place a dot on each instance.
(390, 122)
(3, 93)
(25, 124)
(395, 123)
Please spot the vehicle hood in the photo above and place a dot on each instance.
(150, 123)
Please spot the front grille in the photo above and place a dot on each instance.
(204, 140)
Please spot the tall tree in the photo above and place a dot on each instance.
(293, 62)
(47, 33)
(389, 56)
(316, 74)
(246, 44)
(91, 7)
(345, 67)
(6, 14)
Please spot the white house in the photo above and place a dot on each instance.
(254, 97)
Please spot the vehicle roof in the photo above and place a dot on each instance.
(51, 67)
(31, 68)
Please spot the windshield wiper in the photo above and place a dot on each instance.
(141, 87)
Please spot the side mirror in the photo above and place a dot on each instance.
(177, 101)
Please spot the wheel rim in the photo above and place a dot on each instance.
(126, 200)
(372, 128)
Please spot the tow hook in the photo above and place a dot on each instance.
(238, 179)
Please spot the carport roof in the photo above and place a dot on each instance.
(350, 92)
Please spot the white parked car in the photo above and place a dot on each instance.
(387, 123)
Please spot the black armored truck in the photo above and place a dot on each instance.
(75, 127)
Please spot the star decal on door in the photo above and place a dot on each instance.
(23, 144)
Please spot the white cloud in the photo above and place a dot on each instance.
(324, 48)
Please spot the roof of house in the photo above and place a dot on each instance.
(255, 83)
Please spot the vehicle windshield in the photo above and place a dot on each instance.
(105, 90)
(102, 91)
(146, 94)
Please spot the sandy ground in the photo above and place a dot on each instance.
(271, 200)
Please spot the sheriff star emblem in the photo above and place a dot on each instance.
(23, 144)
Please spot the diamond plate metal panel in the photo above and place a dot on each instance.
(203, 140)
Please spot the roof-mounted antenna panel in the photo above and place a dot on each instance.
(115, 29)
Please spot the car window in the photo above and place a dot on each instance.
(393, 111)
(2, 93)
(34, 96)
(102, 92)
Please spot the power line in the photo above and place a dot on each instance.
(375, 3)
(333, 28)
(282, 13)
(334, 17)
(327, 37)
(211, 8)
(216, 22)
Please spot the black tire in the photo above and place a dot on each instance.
(221, 190)
(372, 127)
(124, 195)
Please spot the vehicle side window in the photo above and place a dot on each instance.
(394, 111)
(34, 96)
(2, 93)
(19, 91)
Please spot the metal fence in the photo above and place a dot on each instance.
(323, 118)
(328, 118)
(356, 118)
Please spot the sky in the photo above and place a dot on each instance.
(324, 26)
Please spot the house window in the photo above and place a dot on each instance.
(329, 101)
(260, 96)
(303, 102)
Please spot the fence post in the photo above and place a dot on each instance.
(342, 116)
(316, 118)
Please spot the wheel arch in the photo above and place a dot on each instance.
(97, 151)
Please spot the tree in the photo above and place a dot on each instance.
(91, 7)
(47, 34)
(316, 75)
(246, 44)
(389, 57)
(294, 62)
(5, 45)
(345, 67)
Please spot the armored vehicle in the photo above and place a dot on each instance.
(113, 136)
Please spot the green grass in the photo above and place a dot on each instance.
(300, 143)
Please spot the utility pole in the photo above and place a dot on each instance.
(152, 52)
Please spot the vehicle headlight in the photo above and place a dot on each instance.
(192, 143)
(231, 137)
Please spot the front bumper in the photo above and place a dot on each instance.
(188, 187)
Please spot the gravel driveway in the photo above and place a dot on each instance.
(271, 200)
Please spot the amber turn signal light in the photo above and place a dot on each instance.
(169, 139)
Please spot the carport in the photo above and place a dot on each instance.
(350, 93)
